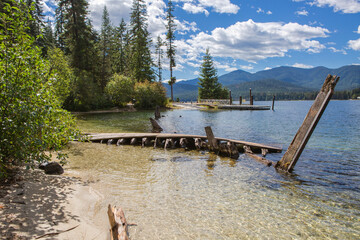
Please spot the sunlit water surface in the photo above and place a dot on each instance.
(175, 194)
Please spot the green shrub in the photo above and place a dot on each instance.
(149, 94)
(31, 119)
(120, 89)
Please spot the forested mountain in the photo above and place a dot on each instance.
(277, 80)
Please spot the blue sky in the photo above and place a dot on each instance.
(250, 35)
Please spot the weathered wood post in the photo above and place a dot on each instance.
(213, 144)
(230, 97)
(251, 100)
(272, 107)
(157, 112)
(303, 135)
(240, 100)
(250, 96)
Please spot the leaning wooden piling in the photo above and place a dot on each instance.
(303, 135)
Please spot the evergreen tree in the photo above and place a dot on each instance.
(77, 33)
(49, 40)
(105, 43)
(140, 62)
(170, 36)
(159, 53)
(118, 56)
(210, 88)
(59, 27)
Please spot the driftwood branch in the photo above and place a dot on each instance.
(118, 224)
(56, 233)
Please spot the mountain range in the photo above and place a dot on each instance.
(276, 80)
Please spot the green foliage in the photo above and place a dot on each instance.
(31, 119)
(120, 90)
(63, 76)
(140, 62)
(210, 88)
(149, 94)
(104, 46)
(118, 46)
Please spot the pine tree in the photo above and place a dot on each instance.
(104, 45)
(140, 62)
(118, 56)
(77, 33)
(210, 88)
(170, 36)
(59, 27)
(159, 53)
(49, 40)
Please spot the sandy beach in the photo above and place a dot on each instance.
(38, 206)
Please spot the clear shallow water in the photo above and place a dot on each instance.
(175, 194)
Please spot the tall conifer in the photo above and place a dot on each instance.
(105, 45)
(140, 62)
(170, 36)
(210, 88)
(159, 53)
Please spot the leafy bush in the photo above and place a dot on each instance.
(149, 94)
(64, 78)
(120, 89)
(31, 119)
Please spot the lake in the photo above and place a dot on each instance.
(178, 194)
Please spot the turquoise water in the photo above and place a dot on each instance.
(175, 194)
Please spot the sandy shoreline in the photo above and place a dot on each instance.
(35, 204)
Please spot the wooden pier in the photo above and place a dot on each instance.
(235, 107)
(166, 140)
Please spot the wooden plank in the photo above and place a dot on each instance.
(303, 135)
(213, 144)
(106, 136)
(118, 224)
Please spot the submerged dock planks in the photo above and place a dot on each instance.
(105, 137)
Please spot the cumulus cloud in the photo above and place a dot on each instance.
(252, 41)
(338, 50)
(301, 65)
(195, 8)
(345, 6)
(354, 44)
(219, 6)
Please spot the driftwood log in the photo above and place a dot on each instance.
(262, 160)
(118, 224)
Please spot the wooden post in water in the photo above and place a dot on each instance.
(240, 100)
(251, 100)
(230, 97)
(250, 96)
(213, 144)
(303, 135)
(157, 112)
(272, 107)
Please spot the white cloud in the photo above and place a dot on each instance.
(269, 12)
(259, 10)
(302, 12)
(252, 41)
(338, 50)
(354, 44)
(48, 7)
(196, 73)
(301, 65)
(219, 6)
(267, 68)
(195, 9)
(345, 6)
(247, 67)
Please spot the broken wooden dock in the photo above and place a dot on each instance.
(235, 107)
(167, 140)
